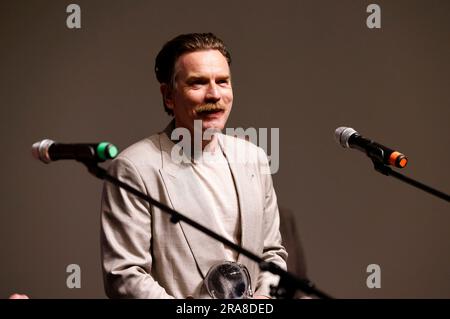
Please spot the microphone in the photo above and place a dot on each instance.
(48, 151)
(349, 138)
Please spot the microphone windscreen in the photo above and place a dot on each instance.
(342, 134)
(39, 150)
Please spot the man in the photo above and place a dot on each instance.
(144, 255)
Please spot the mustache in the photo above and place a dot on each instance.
(209, 108)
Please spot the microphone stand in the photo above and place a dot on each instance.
(288, 283)
(385, 170)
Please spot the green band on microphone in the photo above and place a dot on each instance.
(106, 151)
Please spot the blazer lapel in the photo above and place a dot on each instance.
(244, 179)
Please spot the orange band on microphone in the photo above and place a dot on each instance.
(403, 162)
(398, 159)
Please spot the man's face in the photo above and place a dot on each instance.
(202, 90)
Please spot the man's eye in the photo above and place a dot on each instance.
(197, 83)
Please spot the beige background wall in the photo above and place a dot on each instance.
(305, 67)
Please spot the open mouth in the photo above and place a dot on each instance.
(208, 110)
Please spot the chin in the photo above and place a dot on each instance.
(218, 125)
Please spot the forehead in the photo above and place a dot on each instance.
(204, 63)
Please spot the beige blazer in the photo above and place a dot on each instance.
(144, 255)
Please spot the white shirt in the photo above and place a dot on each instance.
(214, 176)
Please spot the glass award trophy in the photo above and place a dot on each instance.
(228, 280)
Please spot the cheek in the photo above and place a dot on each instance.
(195, 96)
(189, 98)
(228, 97)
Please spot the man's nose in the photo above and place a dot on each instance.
(212, 93)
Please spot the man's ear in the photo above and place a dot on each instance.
(166, 92)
